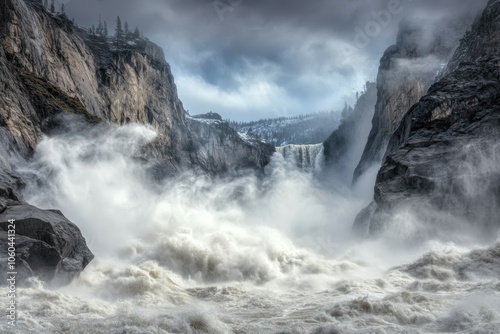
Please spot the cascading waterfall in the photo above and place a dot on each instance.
(306, 157)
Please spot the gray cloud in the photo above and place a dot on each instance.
(267, 57)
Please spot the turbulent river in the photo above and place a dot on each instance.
(247, 255)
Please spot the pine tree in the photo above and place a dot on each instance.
(63, 11)
(126, 32)
(46, 3)
(105, 29)
(118, 32)
(100, 27)
(52, 7)
(137, 33)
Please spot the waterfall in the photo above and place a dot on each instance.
(307, 157)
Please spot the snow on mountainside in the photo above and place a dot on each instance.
(299, 130)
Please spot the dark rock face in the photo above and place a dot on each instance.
(407, 69)
(344, 147)
(445, 155)
(221, 149)
(48, 245)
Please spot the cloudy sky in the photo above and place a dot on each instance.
(250, 59)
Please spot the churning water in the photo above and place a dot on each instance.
(246, 255)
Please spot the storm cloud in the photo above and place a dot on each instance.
(250, 59)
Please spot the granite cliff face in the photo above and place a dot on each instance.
(49, 66)
(407, 69)
(442, 163)
(55, 66)
(218, 148)
(344, 147)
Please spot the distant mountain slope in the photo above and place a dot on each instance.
(304, 129)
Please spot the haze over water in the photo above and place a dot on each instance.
(272, 254)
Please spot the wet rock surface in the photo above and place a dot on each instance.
(407, 69)
(445, 155)
(48, 245)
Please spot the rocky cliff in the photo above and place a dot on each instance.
(345, 145)
(407, 69)
(56, 66)
(218, 148)
(49, 66)
(442, 163)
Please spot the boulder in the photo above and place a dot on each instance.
(48, 245)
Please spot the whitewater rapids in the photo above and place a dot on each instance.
(194, 255)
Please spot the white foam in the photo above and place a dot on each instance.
(194, 255)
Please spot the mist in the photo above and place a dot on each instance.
(250, 228)
(180, 247)
(206, 229)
